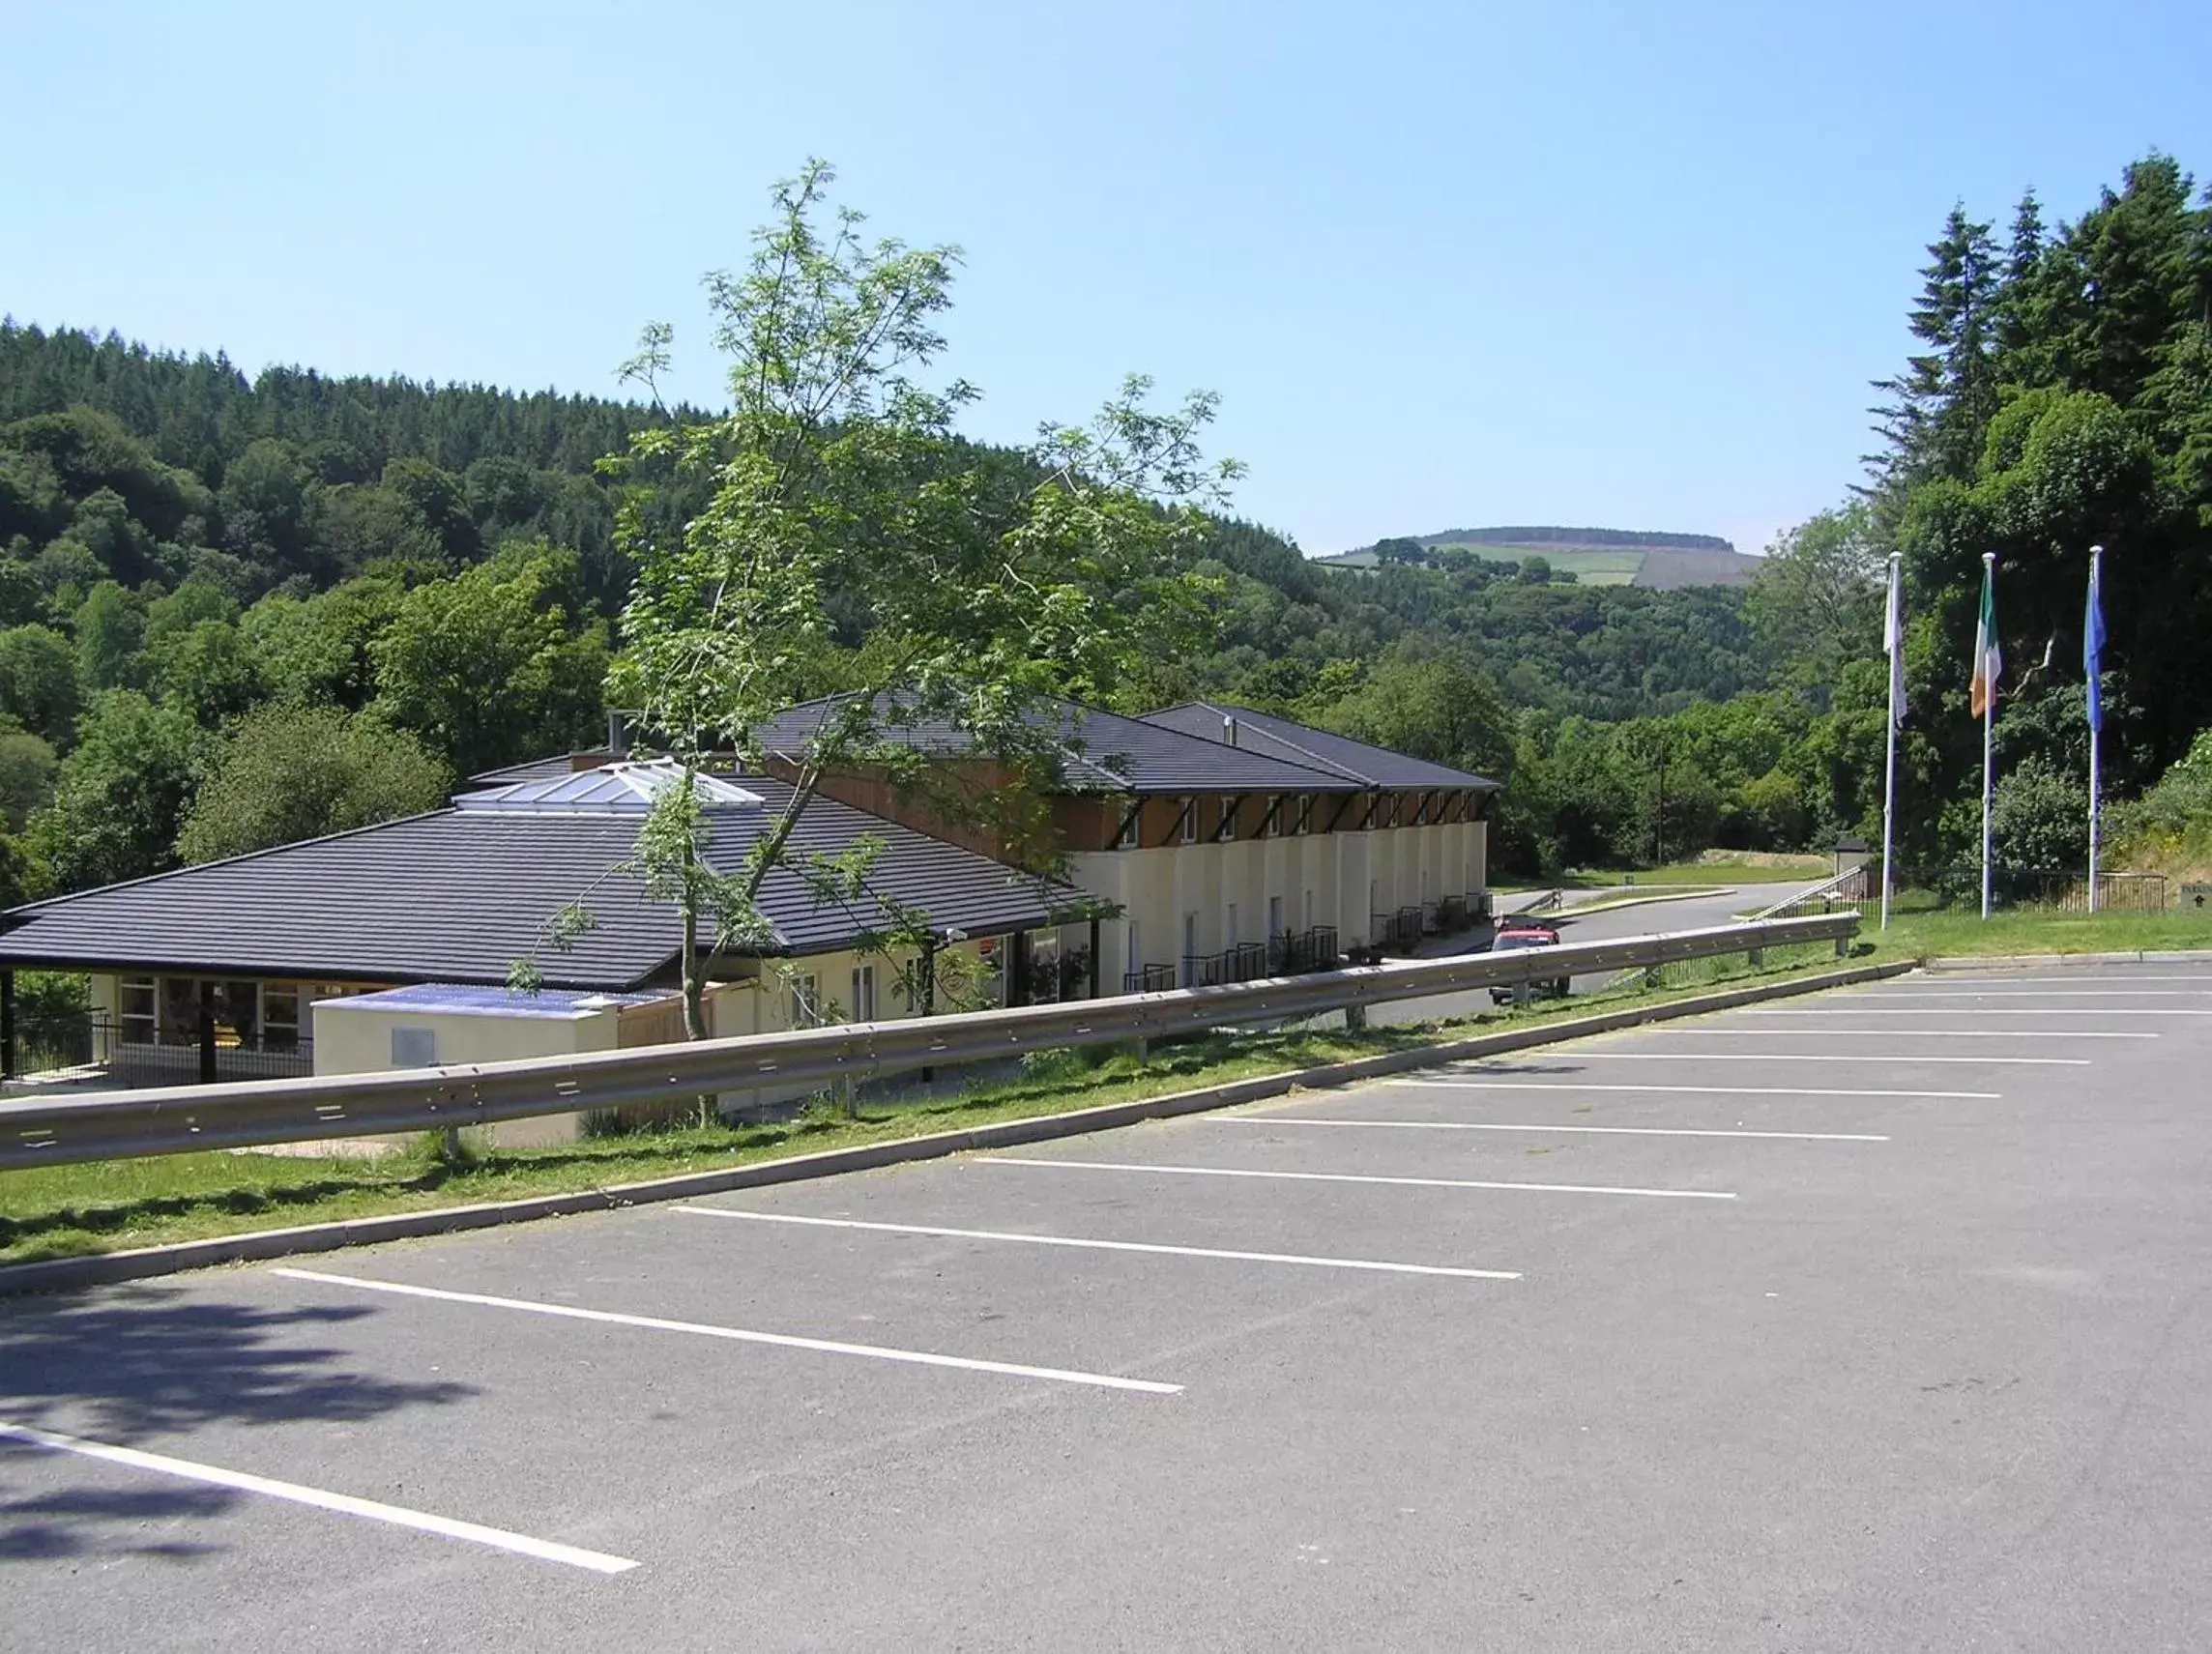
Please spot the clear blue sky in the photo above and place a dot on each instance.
(1446, 265)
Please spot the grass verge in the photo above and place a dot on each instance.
(1715, 872)
(67, 1211)
(1954, 933)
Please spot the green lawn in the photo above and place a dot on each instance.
(1925, 934)
(107, 1205)
(1698, 873)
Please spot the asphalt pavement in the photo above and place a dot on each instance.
(1872, 1320)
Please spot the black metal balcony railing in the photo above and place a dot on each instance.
(1300, 951)
(1296, 954)
(1400, 929)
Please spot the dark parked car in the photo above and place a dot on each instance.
(1519, 933)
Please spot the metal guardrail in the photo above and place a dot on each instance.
(184, 1119)
(1851, 885)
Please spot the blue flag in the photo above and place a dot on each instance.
(2094, 648)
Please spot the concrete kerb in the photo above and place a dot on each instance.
(2043, 961)
(65, 1274)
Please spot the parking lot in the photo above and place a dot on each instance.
(1872, 1320)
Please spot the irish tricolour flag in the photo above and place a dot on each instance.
(1989, 661)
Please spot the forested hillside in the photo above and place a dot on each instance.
(234, 611)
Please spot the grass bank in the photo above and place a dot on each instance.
(1755, 870)
(1953, 932)
(108, 1206)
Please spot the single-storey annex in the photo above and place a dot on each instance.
(241, 966)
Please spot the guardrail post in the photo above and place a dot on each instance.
(1758, 957)
(845, 1099)
(1355, 1019)
(1844, 947)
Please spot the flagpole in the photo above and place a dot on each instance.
(1989, 731)
(1895, 630)
(2096, 606)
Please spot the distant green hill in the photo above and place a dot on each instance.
(1594, 556)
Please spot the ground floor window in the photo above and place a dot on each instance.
(805, 1007)
(137, 1009)
(863, 993)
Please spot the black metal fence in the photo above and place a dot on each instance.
(1313, 949)
(55, 1045)
(1295, 954)
(1925, 890)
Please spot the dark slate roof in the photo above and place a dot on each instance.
(1104, 752)
(1299, 744)
(459, 895)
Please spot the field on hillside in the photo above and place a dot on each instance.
(1592, 566)
(1656, 567)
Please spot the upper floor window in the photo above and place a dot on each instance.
(1190, 821)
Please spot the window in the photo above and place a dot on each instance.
(1231, 938)
(1302, 822)
(1190, 950)
(1132, 821)
(1271, 822)
(863, 993)
(992, 952)
(805, 1007)
(1227, 834)
(281, 1016)
(1274, 918)
(137, 1009)
(413, 1048)
(1190, 821)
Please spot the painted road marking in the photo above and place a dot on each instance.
(2041, 993)
(344, 1504)
(1491, 1125)
(1950, 980)
(1909, 1032)
(741, 1335)
(1350, 1178)
(1897, 1010)
(1107, 1245)
(1594, 1055)
(1691, 1091)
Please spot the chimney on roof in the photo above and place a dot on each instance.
(1228, 728)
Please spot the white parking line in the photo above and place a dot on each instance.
(1692, 1091)
(741, 1335)
(1108, 1245)
(2041, 993)
(1349, 1177)
(1948, 980)
(1854, 1032)
(1593, 1054)
(1897, 1010)
(344, 1504)
(1492, 1125)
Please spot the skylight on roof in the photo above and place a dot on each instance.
(612, 788)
